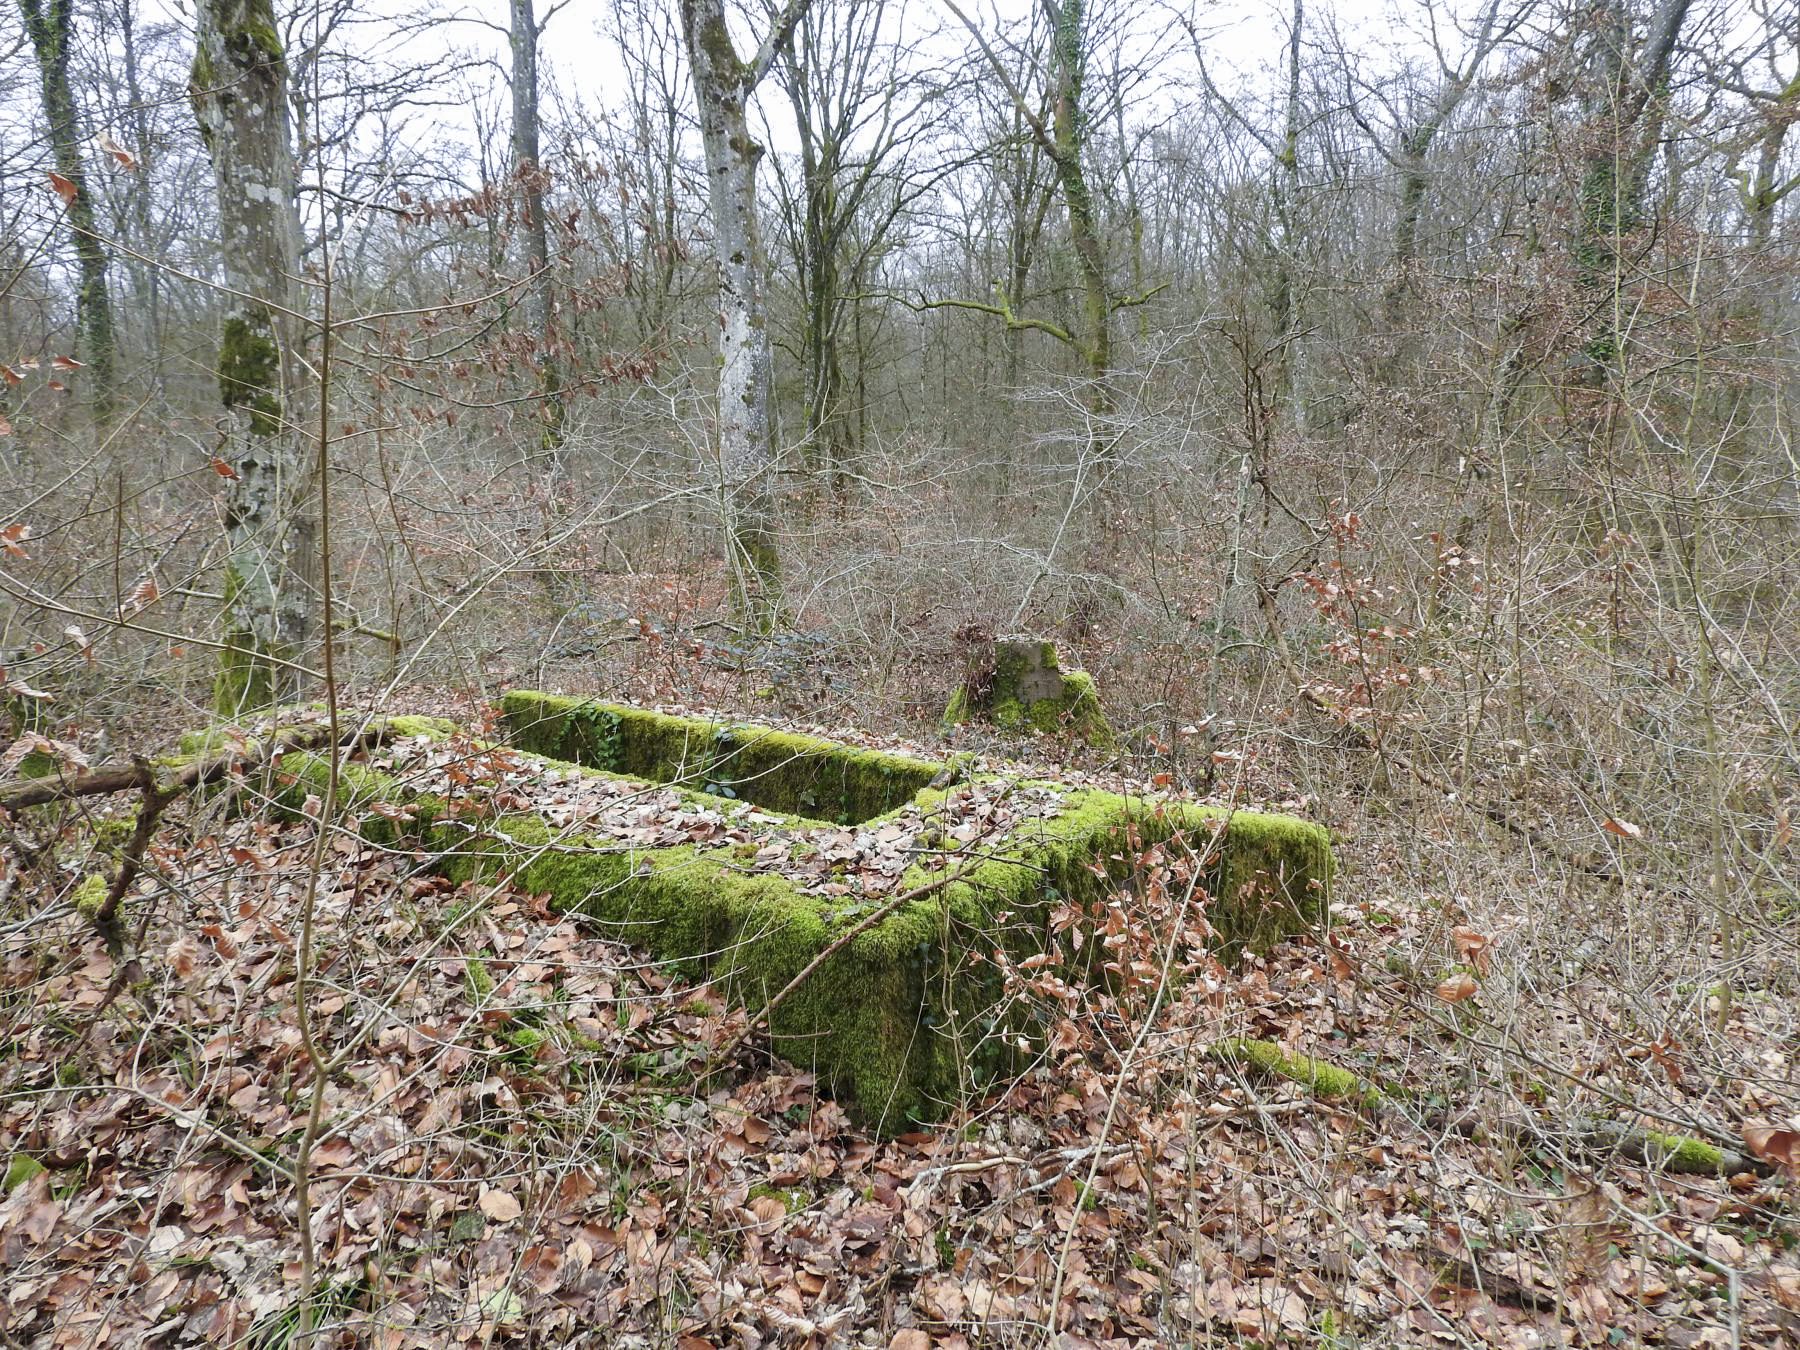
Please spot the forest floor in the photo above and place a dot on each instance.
(519, 1147)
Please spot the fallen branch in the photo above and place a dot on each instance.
(131, 861)
(174, 779)
(1592, 1136)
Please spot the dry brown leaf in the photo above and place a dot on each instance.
(500, 1206)
(1775, 1146)
(123, 157)
(1455, 988)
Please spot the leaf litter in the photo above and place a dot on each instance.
(517, 1150)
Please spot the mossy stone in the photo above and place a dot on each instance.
(798, 775)
(900, 1022)
(1027, 690)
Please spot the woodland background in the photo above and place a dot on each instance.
(1400, 430)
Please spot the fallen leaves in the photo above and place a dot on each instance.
(1777, 1145)
(1457, 988)
(518, 1150)
(500, 1206)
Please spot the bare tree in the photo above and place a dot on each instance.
(1408, 147)
(1063, 138)
(853, 125)
(1628, 89)
(239, 96)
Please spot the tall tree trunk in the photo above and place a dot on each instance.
(1067, 149)
(50, 26)
(1764, 190)
(1627, 122)
(148, 277)
(722, 83)
(527, 171)
(1286, 190)
(238, 88)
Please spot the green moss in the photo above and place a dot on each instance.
(479, 979)
(246, 681)
(21, 1168)
(433, 728)
(1682, 1153)
(112, 833)
(799, 775)
(1029, 691)
(249, 369)
(1316, 1075)
(527, 1039)
(900, 1022)
(90, 897)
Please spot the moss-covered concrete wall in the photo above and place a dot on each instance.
(799, 775)
(910, 1017)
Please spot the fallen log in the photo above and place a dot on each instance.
(172, 777)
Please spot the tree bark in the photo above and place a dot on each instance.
(540, 308)
(50, 26)
(1067, 150)
(722, 83)
(1627, 120)
(238, 88)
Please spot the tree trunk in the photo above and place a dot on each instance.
(529, 176)
(50, 26)
(722, 83)
(1291, 356)
(1627, 120)
(238, 88)
(1069, 143)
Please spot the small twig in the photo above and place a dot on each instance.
(131, 861)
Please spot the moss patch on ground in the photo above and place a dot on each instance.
(1316, 1075)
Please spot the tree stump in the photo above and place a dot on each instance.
(1024, 688)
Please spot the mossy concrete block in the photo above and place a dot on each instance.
(1027, 690)
(781, 770)
(910, 1017)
